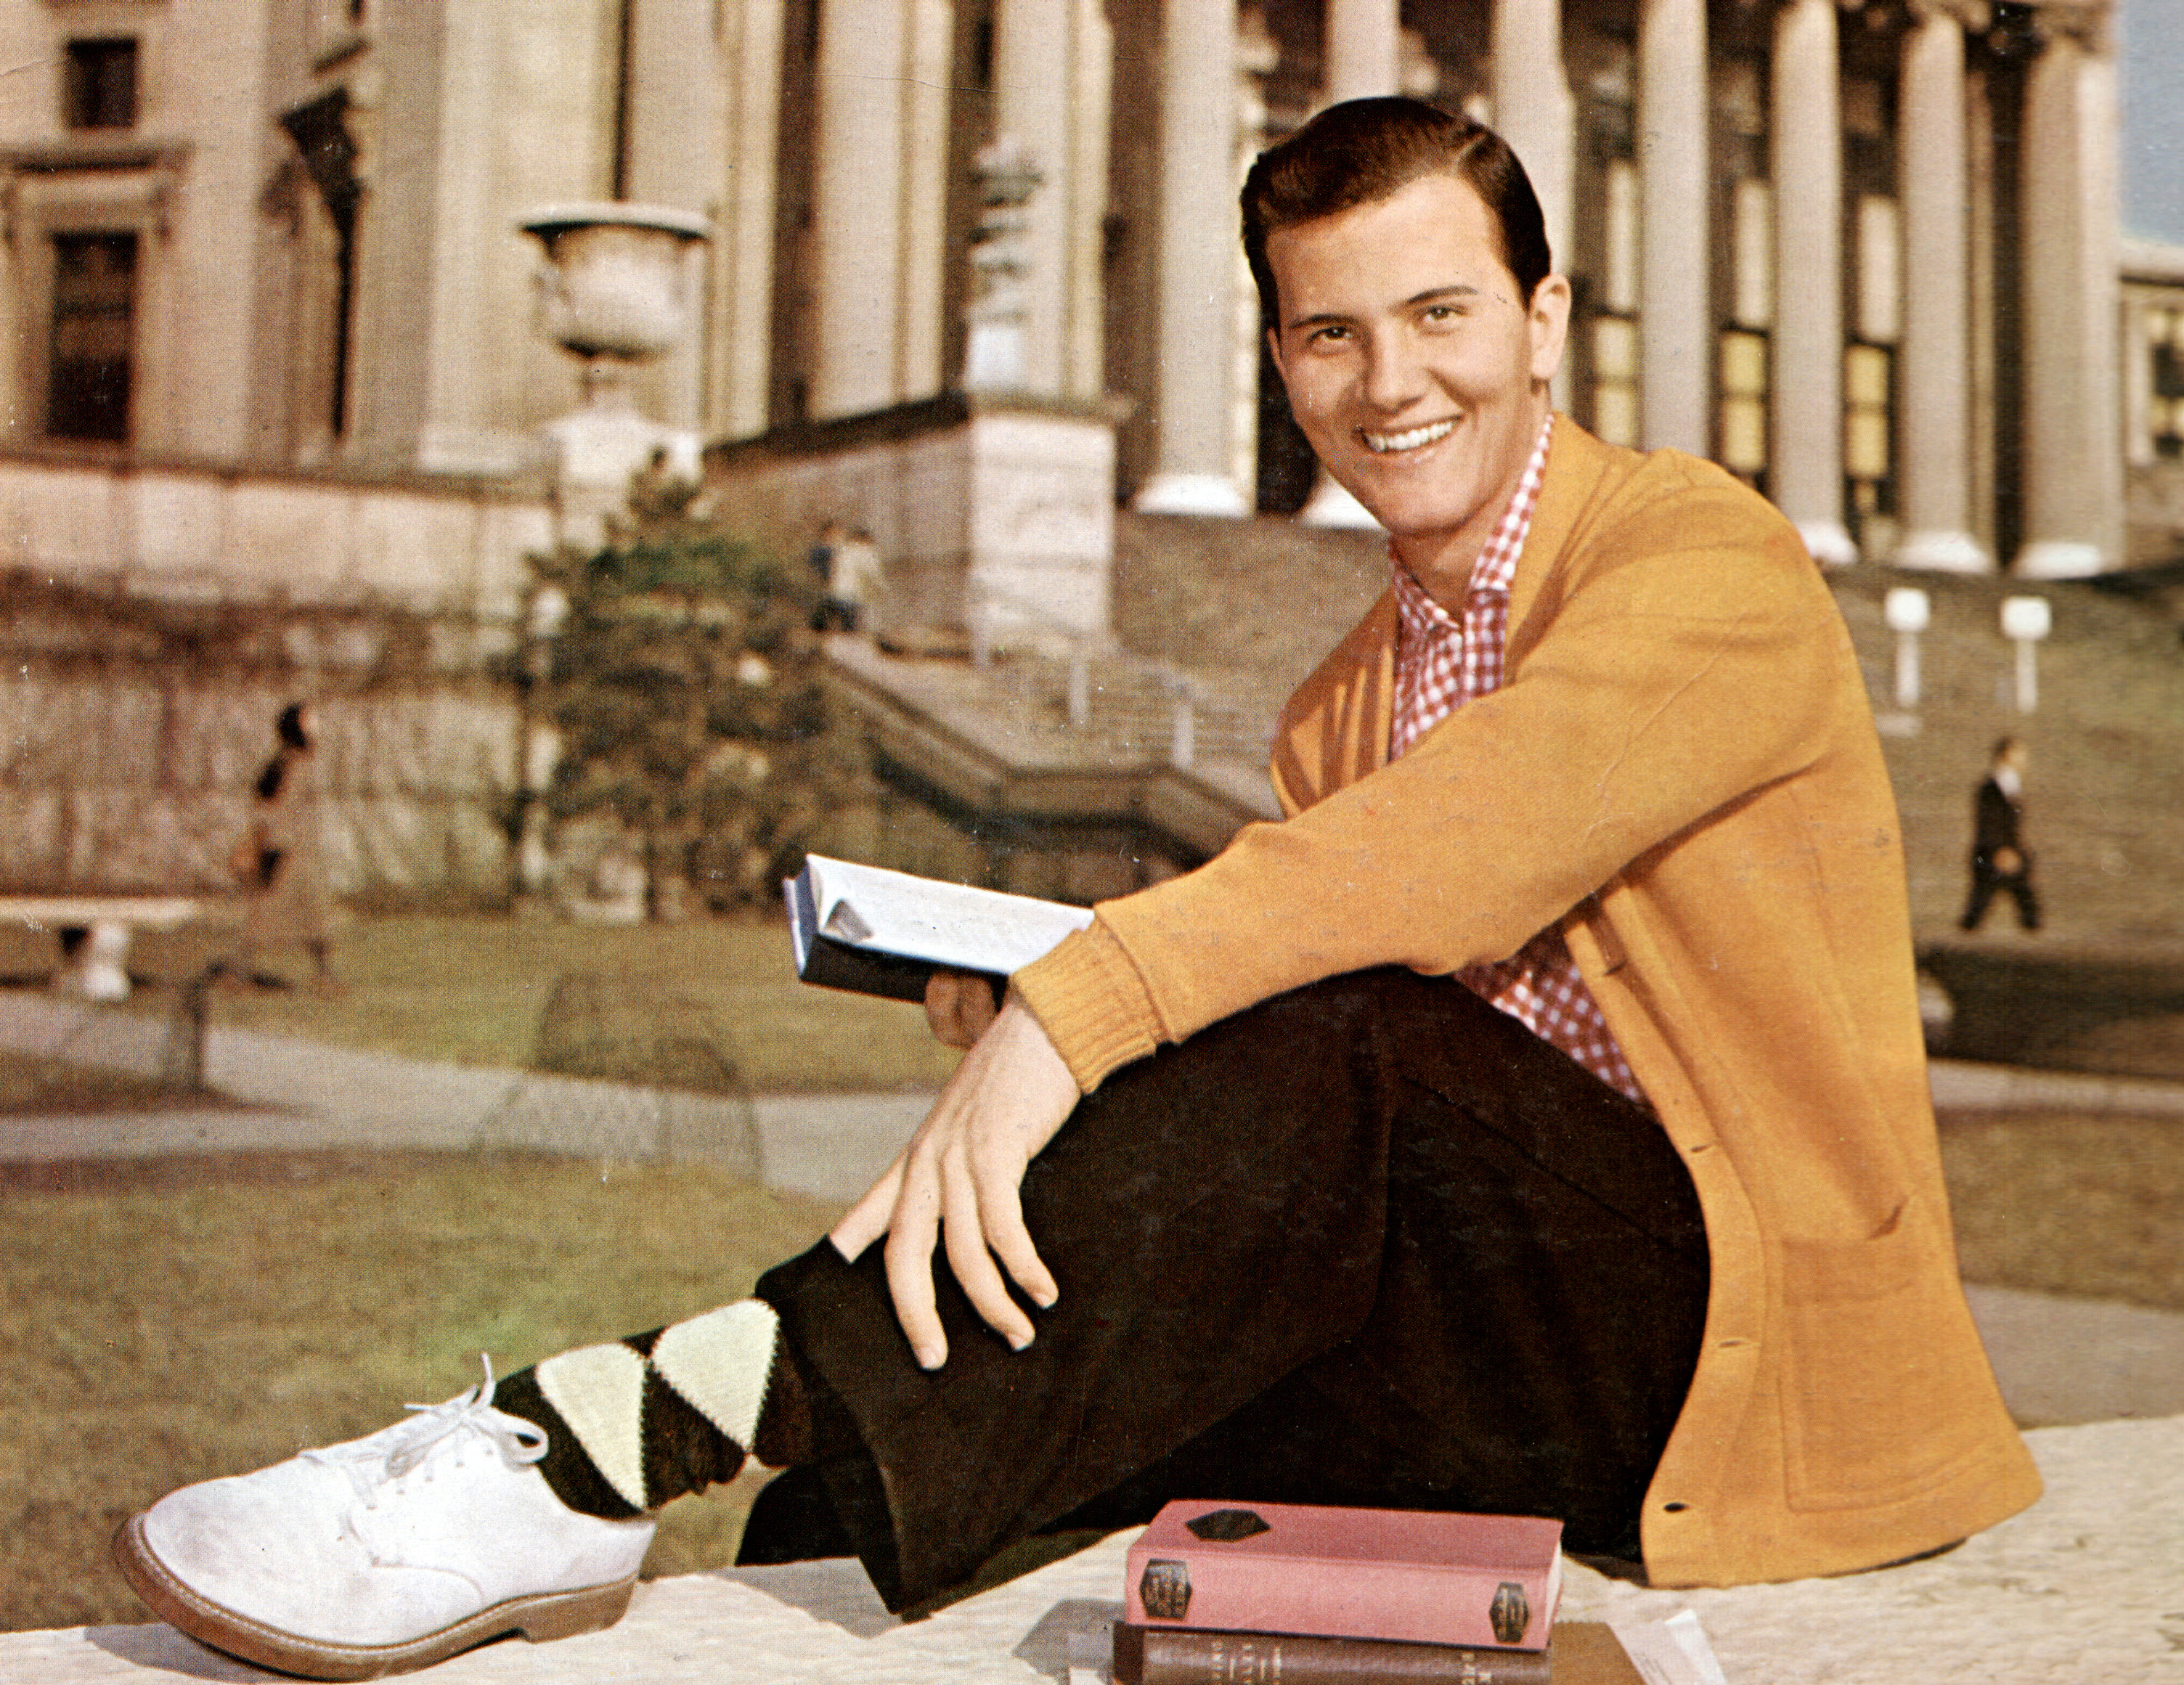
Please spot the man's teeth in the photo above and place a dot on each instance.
(1386, 442)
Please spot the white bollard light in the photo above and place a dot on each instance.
(1080, 685)
(1908, 611)
(2024, 621)
(1183, 740)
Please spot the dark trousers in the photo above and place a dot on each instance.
(1369, 1242)
(1986, 882)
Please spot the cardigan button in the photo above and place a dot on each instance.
(1676, 1507)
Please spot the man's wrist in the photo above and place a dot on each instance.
(1089, 998)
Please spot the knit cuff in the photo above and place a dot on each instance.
(1089, 999)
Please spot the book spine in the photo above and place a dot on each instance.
(1190, 1656)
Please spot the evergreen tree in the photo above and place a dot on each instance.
(684, 682)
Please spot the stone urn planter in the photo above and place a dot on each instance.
(615, 290)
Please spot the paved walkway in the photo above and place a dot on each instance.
(307, 1095)
(2061, 1360)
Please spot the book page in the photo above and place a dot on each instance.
(1671, 1652)
(949, 924)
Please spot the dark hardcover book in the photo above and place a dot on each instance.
(879, 932)
(1581, 1653)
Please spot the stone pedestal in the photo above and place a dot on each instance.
(994, 515)
(596, 451)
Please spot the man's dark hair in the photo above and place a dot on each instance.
(2003, 746)
(289, 727)
(1366, 150)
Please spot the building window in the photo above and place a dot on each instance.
(2165, 410)
(99, 84)
(1868, 455)
(1614, 345)
(1742, 421)
(1744, 403)
(1869, 371)
(94, 309)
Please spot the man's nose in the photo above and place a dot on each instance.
(1394, 374)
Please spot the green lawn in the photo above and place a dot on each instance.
(166, 1322)
(221, 1315)
(472, 990)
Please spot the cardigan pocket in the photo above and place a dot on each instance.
(1884, 1390)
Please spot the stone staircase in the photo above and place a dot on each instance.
(1248, 608)
(2103, 791)
(1237, 612)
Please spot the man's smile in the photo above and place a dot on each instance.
(1413, 438)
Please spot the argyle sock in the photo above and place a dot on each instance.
(634, 1423)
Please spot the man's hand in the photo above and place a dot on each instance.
(959, 1181)
(959, 1005)
(2007, 861)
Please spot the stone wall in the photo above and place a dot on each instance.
(130, 768)
(154, 620)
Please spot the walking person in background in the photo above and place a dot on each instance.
(855, 578)
(2000, 860)
(282, 862)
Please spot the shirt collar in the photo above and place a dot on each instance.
(1495, 566)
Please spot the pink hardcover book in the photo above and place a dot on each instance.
(1424, 1578)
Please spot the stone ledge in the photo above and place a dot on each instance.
(2082, 1586)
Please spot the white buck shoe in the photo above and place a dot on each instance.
(385, 1553)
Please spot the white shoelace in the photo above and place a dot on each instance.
(406, 1447)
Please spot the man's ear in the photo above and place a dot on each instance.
(1274, 349)
(1548, 320)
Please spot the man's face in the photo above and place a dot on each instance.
(1414, 364)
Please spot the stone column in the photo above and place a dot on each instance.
(674, 155)
(921, 187)
(1044, 53)
(1806, 450)
(1199, 233)
(879, 197)
(1675, 317)
(742, 330)
(1533, 109)
(1361, 45)
(2072, 468)
(1934, 463)
(1084, 365)
(1362, 42)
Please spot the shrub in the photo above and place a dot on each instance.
(683, 680)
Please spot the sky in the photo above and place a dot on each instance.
(2154, 119)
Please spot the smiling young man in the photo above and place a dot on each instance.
(1535, 1120)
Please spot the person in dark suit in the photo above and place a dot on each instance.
(2000, 859)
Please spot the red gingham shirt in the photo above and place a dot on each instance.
(1441, 664)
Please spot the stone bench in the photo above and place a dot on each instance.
(96, 931)
(2083, 1586)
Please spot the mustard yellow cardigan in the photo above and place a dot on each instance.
(1682, 769)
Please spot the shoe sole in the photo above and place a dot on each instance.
(549, 1615)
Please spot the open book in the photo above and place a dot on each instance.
(876, 932)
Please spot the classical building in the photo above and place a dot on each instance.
(969, 276)
(1863, 252)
